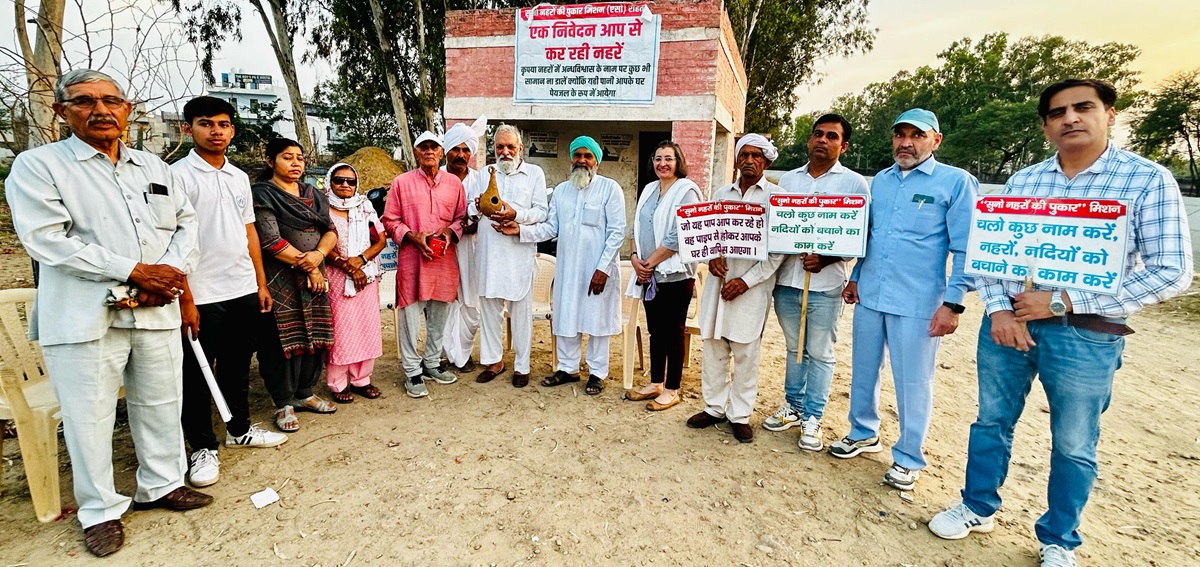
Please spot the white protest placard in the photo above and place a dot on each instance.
(1074, 244)
(586, 54)
(389, 256)
(722, 228)
(830, 225)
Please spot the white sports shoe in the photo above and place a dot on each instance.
(784, 418)
(256, 438)
(204, 468)
(901, 478)
(957, 522)
(1057, 556)
(810, 434)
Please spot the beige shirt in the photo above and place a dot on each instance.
(741, 320)
(89, 223)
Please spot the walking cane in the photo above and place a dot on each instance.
(222, 406)
(803, 317)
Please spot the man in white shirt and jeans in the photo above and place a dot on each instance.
(225, 294)
(807, 382)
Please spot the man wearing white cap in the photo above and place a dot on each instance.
(506, 265)
(424, 214)
(734, 308)
(462, 143)
(920, 214)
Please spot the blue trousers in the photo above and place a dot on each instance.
(912, 353)
(806, 383)
(1076, 367)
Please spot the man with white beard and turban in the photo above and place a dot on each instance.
(734, 308)
(506, 265)
(587, 214)
(462, 321)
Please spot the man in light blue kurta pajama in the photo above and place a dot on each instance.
(920, 213)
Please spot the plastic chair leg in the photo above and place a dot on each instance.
(39, 450)
(687, 350)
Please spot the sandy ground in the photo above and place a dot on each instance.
(489, 475)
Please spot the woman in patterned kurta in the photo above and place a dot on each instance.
(296, 234)
(353, 287)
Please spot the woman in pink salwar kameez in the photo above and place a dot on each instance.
(353, 287)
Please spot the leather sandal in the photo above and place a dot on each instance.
(595, 385)
(488, 375)
(104, 538)
(315, 405)
(342, 397)
(369, 391)
(520, 380)
(182, 498)
(653, 405)
(637, 396)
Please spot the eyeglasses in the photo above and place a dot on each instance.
(88, 103)
(351, 181)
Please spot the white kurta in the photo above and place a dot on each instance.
(505, 265)
(742, 319)
(590, 226)
(462, 318)
(465, 248)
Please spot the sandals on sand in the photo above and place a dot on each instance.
(369, 391)
(343, 397)
(286, 421)
(559, 378)
(595, 385)
(315, 405)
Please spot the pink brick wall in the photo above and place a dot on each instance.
(696, 139)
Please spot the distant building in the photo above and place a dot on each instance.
(247, 93)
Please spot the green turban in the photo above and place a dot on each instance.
(589, 143)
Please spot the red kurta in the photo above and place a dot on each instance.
(414, 204)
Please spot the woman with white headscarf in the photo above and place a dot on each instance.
(353, 287)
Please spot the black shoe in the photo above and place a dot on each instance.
(703, 419)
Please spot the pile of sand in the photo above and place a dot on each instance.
(376, 168)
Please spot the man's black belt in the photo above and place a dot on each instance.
(1098, 324)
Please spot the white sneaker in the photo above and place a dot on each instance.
(957, 522)
(810, 434)
(255, 438)
(785, 417)
(848, 448)
(204, 468)
(1057, 556)
(901, 478)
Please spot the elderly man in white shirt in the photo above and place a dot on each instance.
(587, 214)
(506, 265)
(807, 381)
(462, 319)
(733, 310)
(100, 217)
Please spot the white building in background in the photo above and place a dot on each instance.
(249, 93)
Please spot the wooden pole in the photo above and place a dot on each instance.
(803, 317)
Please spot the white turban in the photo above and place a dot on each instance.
(758, 141)
(461, 133)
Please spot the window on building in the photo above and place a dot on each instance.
(254, 105)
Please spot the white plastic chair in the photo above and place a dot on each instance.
(543, 299)
(693, 323)
(387, 300)
(631, 328)
(27, 398)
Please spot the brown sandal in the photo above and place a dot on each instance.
(343, 397)
(104, 538)
(369, 391)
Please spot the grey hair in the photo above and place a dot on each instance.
(508, 128)
(77, 76)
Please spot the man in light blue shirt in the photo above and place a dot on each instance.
(96, 214)
(920, 213)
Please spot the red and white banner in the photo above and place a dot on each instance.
(587, 54)
(1061, 243)
(722, 228)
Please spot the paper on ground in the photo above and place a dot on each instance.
(268, 496)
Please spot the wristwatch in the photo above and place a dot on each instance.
(955, 307)
(1057, 307)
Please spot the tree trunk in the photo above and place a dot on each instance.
(41, 68)
(281, 42)
(426, 94)
(389, 69)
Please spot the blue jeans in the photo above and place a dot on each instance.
(1076, 367)
(806, 384)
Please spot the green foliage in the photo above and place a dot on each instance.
(793, 143)
(783, 41)
(1167, 127)
(985, 95)
(252, 134)
(361, 112)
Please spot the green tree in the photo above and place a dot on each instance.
(361, 113)
(793, 143)
(985, 95)
(783, 41)
(1168, 124)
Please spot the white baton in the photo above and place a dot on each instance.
(222, 407)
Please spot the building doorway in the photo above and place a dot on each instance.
(647, 142)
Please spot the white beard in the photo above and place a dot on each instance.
(507, 166)
(580, 177)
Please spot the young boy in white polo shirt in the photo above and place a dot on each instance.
(226, 293)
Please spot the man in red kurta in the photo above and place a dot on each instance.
(424, 214)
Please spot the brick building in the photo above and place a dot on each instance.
(700, 101)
